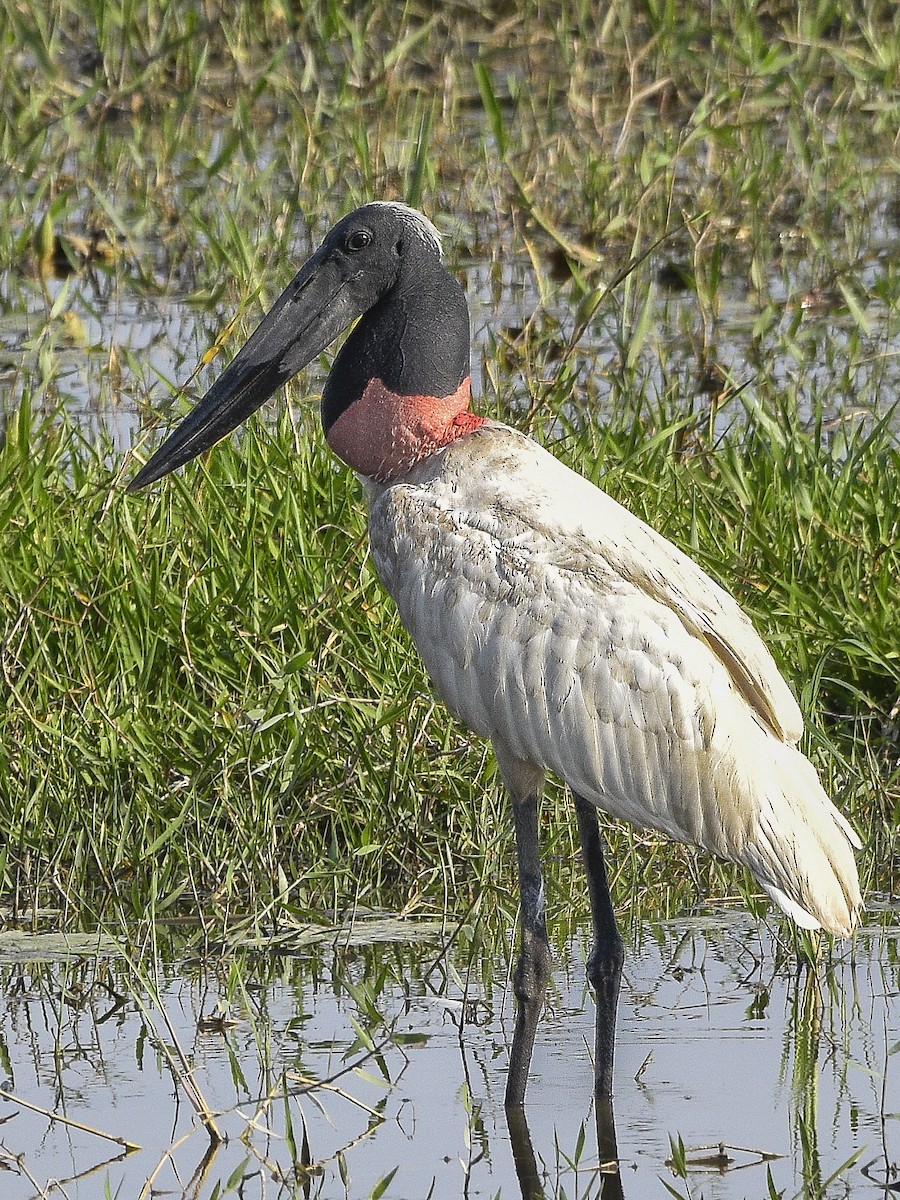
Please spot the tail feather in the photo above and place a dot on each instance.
(802, 851)
(797, 914)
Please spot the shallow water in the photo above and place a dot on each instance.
(815, 350)
(721, 1039)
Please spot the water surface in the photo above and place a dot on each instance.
(363, 1052)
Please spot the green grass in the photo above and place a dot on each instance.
(211, 699)
(210, 705)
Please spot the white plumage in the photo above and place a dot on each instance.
(580, 641)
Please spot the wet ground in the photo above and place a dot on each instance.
(368, 1059)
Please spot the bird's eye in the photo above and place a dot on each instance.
(359, 239)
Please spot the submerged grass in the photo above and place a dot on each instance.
(210, 704)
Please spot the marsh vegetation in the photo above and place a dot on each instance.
(678, 229)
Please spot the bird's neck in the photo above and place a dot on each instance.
(400, 390)
(383, 434)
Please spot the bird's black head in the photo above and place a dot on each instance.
(360, 261)
(374, 244)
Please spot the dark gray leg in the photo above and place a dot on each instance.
(533, 970)
(604, 966)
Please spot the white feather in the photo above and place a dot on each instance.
(558, 624)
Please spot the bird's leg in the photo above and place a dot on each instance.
(533, 969)
(604, 965)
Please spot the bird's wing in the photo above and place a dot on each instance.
(663, 572)
(592, 531)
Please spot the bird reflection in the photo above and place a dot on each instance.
(525, 1161)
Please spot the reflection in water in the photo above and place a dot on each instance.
(523, 1155)
(806, 1019)
(607, 1170)
(610, 1175)
(327, 1073)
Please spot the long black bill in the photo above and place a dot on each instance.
(311, 312)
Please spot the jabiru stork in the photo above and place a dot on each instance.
(551, 619)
